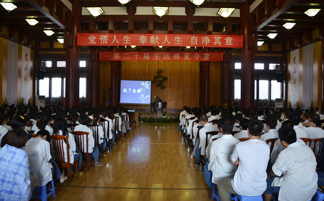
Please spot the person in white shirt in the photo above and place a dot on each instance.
(44, 123)
(186, 120)
(314, 131)
(214, 115)
(252, 158)
(60, 128)
(202, 136)
(278, 115)
(321, 114)
(243, 127)
(271, 123)
(3, 130)
(246, 114)
(220, 152)
(238, 118)
(294, 174)
(181, 116)
(92, 148)
(260, 114)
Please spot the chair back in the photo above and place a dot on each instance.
(95, 130)
(199, 127)
(244, 139)
(209, 135)
(58, 146)
(214, 122)
(271, 143)
(34, 135)
(191, 134)
(318, 148)
(308, 142)
(103, 122)
(72, 126)
(81, 140)
(116, 125)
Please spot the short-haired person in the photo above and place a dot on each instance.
(220, 152)
(314, 131)
(238, 118)
(16, 182)
(296, 119)
(92, 148)
(271, 123)
(44, 123)
(214, 115)
(293, 175)
(243, 126)
(181, 115)
(202, 136)
(252, 158)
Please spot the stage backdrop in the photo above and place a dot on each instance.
(182, 86)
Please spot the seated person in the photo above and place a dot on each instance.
(293, 175)
(60, 128)
(3, 130)
(28, 126)
(44, 123)
(260, 113)
(252, 158)
(278, 116)
(220, 152)
(202, 136)
(314, 131)
(238, 118)
(15, 178)
(271, 123)
(92, 148)
(246, 114)
(243, 127)
(296, 119)
(17, 122)
(214, 115)
(103, 140)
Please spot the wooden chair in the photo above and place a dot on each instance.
(209, 135)
(82, 143)
(58, 146)
(214, 122)
(34, 135)
(244, 139)
(72, 126)
(234, 132)
(318, 148)
(271, 143)
(31, 132)
(190, 143)
(308, 142)
(95, 130)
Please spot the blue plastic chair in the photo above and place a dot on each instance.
(43, 193)
(320, 174)
(218, 197)
(249, 198)
(319, 195)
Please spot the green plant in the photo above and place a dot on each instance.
(312, 105)
(5, 103)
(160, 79)
(83, 101)
(29, 104)
(22, 102)
(60, 101)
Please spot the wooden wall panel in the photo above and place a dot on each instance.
(317, 72)
(215, 84)
(105, 81)
(182, 86)
(3, 66)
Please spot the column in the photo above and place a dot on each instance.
(226, 81)
(72, 59)
(204, 83)
(94, 98)
(114, 83)
(247, 59)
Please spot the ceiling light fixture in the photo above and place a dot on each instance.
(48, 32)
(95, 11)
(9, 6)
(61, 40)
(225, 12)
(312, 12)
(272, 35)
(160, 46)
(123, 2)
(289, 25)
(197, 2)
(188, 47)
(133, 46)
(32, 22)
(160, 11)
(260, 43)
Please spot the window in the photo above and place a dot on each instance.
(259, 66)
(56, 87)
(263, 89)
(61, 64)
(44, 87)
(48, 64)
(255, 89)
(275, 89)
(237, 89)
(64, 89)
(238, 66)
(273, 66)
(83, 64)
(82, 87)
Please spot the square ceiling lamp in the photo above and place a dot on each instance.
(48, 32)
(225, 12)
(312, 12)
(160, 11)
(95, 11)
(272, 35)
(32, 22)
(123, 2)
(197, 2)
(8, 6)
(260, 43)
(61, 40)
(289, 25)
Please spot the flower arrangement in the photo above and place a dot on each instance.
(83, 101)
(298, 106)
(147, 118)
(5, 103)
(236, 103)
(312, 105)
(164, 112)
(22, 102)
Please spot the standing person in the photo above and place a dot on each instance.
(16, 183)
(293, 175)
(252, 158)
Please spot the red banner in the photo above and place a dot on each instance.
(161, 56)
(171, 40)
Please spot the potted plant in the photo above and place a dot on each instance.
(22, 102)
(83, 101)
(5, 103)
(29, 104)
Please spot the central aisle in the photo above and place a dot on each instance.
(148, 164)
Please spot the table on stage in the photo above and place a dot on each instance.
(133, 117)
